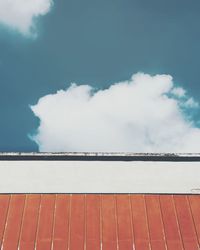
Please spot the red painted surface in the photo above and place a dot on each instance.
(186, 222)
(93, 230)
(77, 222)
(124, 222)
(156, 229)
(61, 226)
(13, 222)
(45, 222)
(4, 205)
(140, 226)
(95, 222)
(29, 223)
(171, 224)
(194, 201)
(109, 222)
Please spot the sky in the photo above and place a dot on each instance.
(109, 75)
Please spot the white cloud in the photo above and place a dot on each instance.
(191, 103)
(20, 14)
(139, 115)
(180, 92)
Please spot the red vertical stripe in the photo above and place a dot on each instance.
(77, 225)
(93, 222)
(4, 206)
(61, 226)
(45, 224)
(172, 231)
(125, 231)
(14, 220)
(109, 223)
(29, 224)
(140, 227)
(194, 201)
(186, 223)
(156, 230)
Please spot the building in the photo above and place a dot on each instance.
(99, 201)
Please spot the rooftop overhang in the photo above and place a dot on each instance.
(99, 173)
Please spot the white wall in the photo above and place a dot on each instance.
(99, 177)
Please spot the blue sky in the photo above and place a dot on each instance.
(96, 43)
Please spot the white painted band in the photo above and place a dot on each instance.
(99, 177)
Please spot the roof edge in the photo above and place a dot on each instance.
(97, 156)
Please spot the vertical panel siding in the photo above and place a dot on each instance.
(124, 225)
(45, 224)
(77, 222)
(194, 201)
(4, 206)
(140, 226)
(93, 223)
(185, 219)
(109, 223)
(99, 222)
(30, 222)
(14, 220)
(170, 220)
(156, 230)
(61, 224)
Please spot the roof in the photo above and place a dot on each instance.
(96, 221)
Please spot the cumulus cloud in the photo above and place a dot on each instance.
(191, 103)
(180, 92)
(20, 14)
(142, 114)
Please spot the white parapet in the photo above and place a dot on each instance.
(99, 176)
